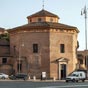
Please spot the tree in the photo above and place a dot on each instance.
(4, 36)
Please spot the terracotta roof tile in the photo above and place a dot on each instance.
(43, 13)
(43, 25)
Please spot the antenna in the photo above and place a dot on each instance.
(43, 5)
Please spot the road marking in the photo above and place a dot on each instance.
(67, 86)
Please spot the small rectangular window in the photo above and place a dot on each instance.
(62, 48)
(35, 48)
(51, 20)
(39, 19)
(4, 60)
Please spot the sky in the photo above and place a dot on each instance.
(13, 13)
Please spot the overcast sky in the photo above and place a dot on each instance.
(13, 13)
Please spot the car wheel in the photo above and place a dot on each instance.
(83, 80)
(73, 80)
(24, 78)
(76, 80)
(66, 80)
(3, 77)
(14, 78)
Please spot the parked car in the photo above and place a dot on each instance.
(4, 76)
(19, 76)
(76, 76)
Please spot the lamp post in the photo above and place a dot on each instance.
(84, 12)
(19, 63)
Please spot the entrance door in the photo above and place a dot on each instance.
(19, 67)
(63, 71)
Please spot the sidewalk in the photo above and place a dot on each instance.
(39, 80)
(34, 80)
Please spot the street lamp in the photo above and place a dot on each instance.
(84, 12)
(19, 63)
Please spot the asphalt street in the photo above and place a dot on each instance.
(42, 84)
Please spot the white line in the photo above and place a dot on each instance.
(67, 86)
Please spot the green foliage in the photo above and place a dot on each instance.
(4, 36)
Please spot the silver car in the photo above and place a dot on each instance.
(4, 76)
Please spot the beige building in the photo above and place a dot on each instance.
(82, 59)
(44, 45)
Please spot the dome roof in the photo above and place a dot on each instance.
(43, 13)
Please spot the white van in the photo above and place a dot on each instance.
(76, 76)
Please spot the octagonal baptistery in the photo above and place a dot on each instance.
(44, 46)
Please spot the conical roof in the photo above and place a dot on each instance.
(43, 13)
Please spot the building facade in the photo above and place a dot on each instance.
(44, 45)
(5, 58)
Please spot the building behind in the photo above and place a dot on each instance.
(83, 60)
(5, 58)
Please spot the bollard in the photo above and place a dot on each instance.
(34, 78)
(29, 78)
(54, 78)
